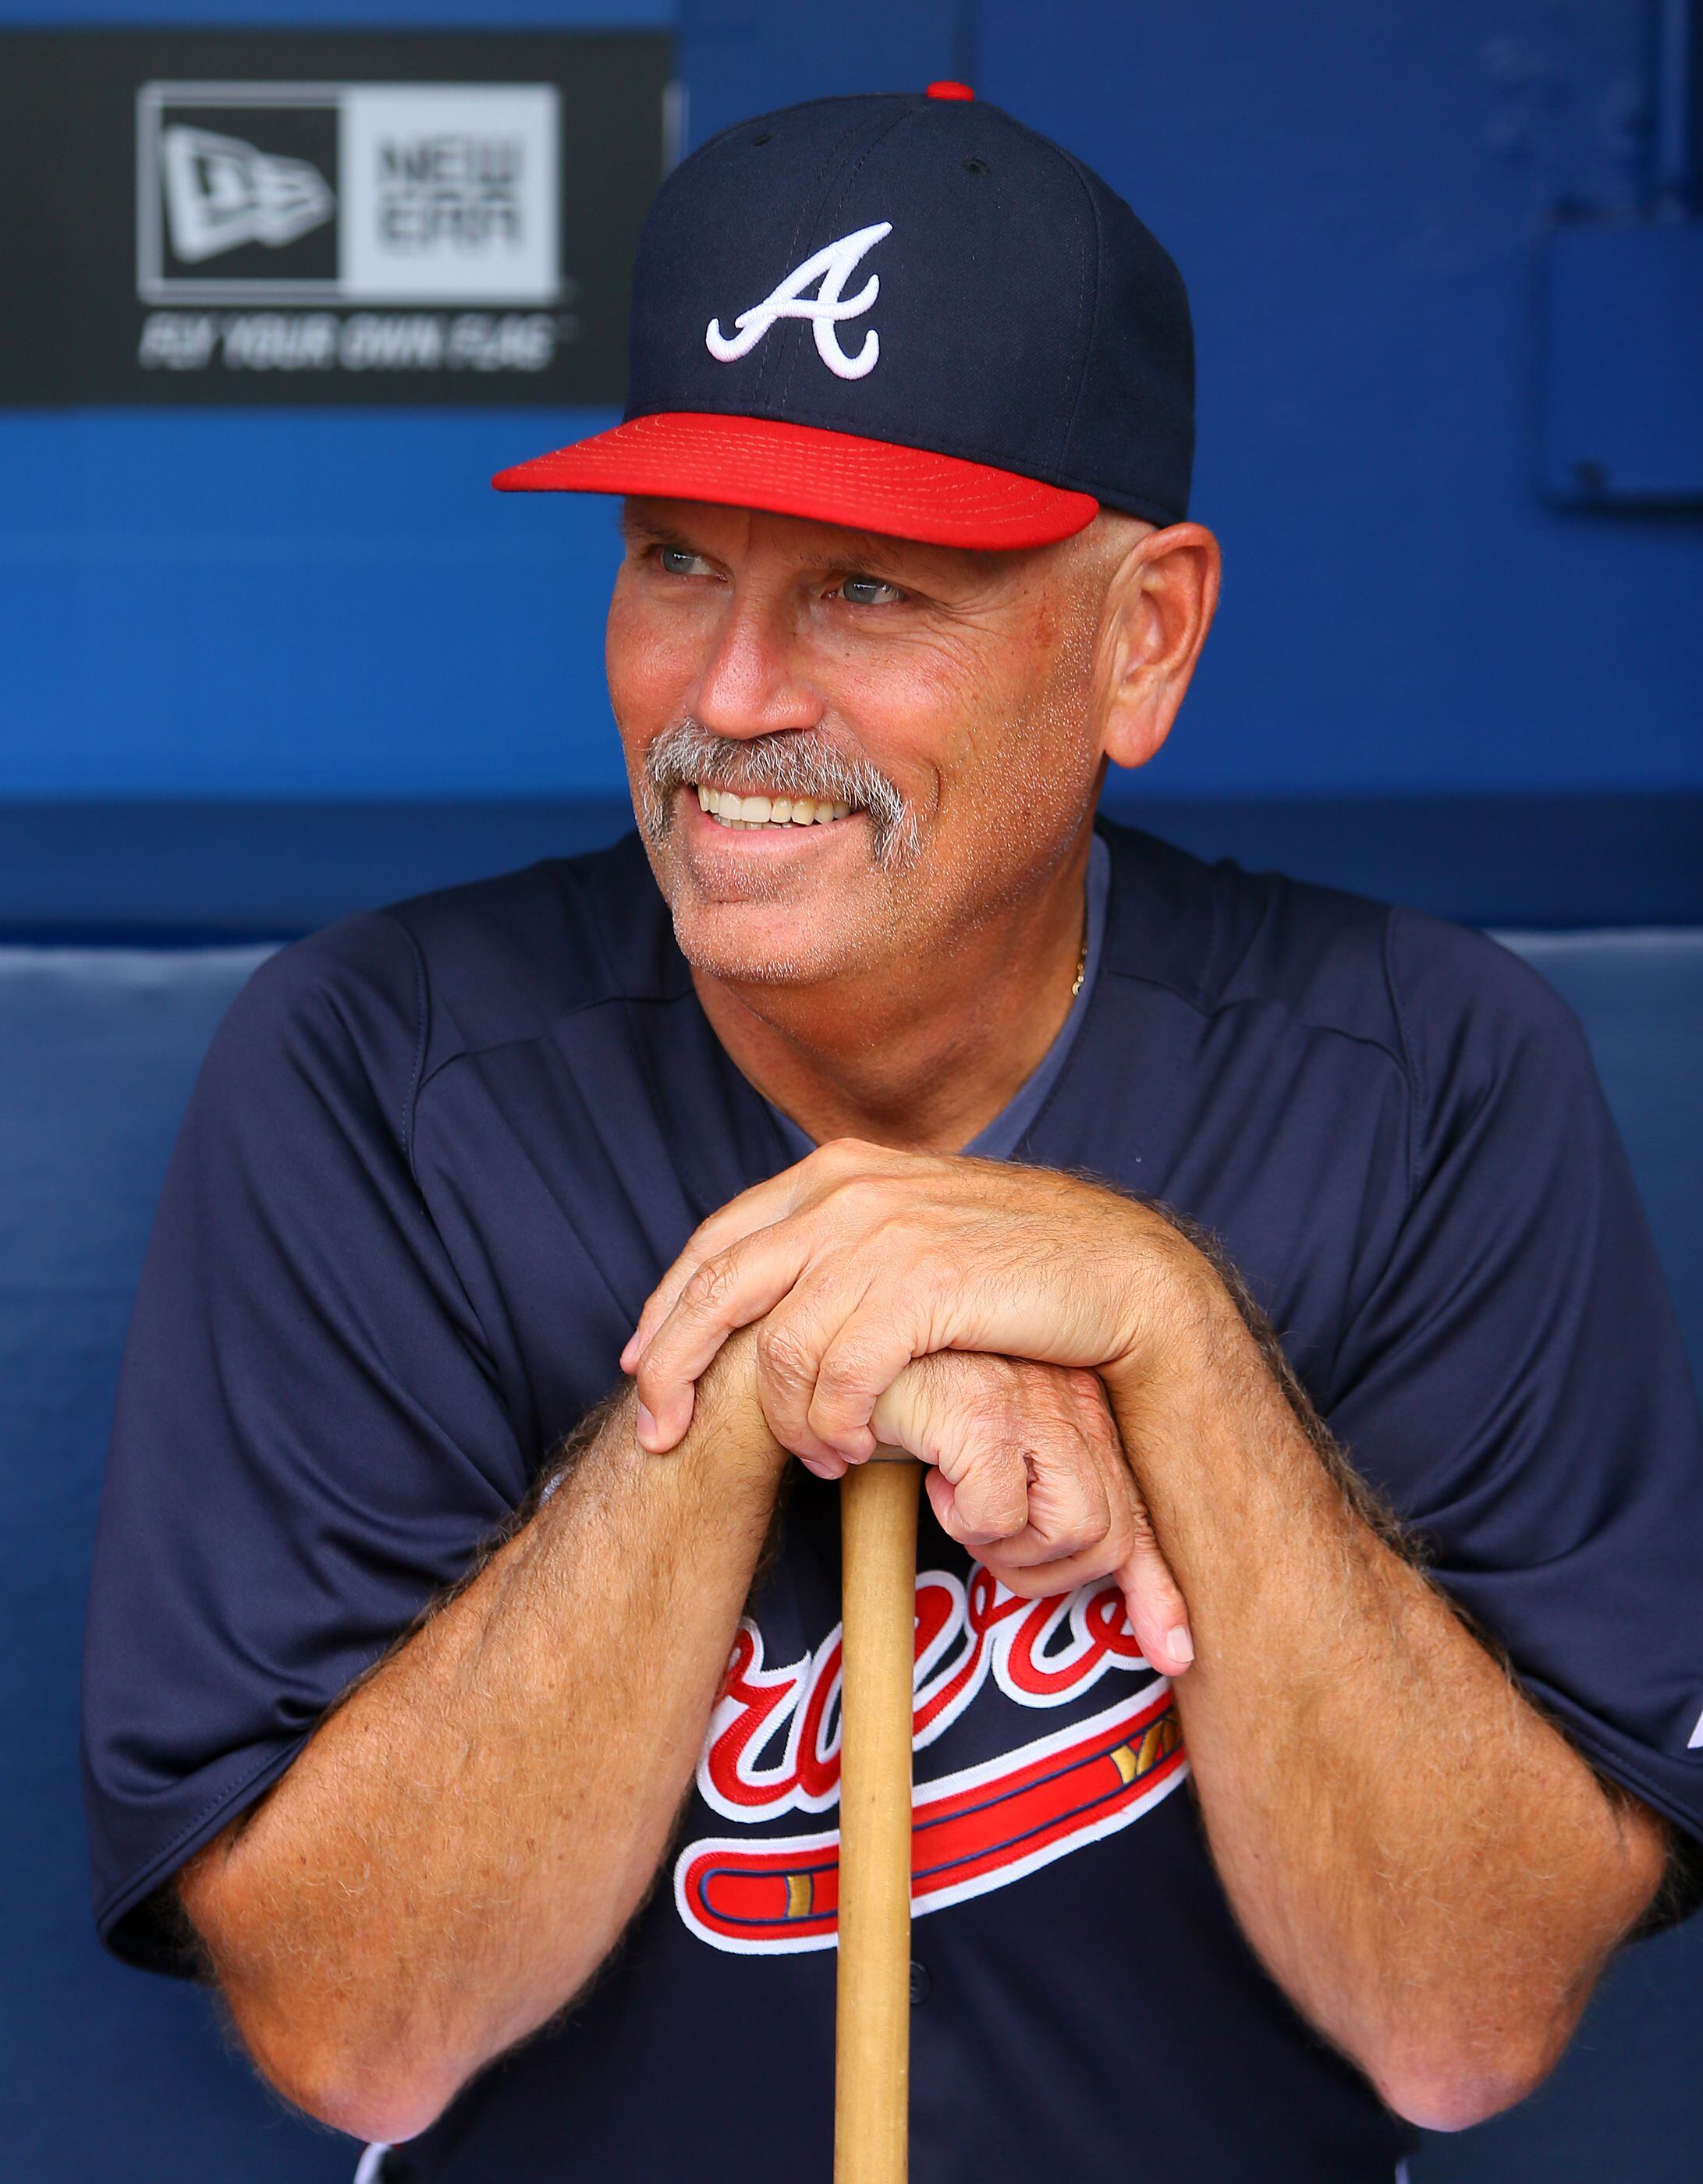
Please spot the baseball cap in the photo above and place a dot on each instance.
(903, 313)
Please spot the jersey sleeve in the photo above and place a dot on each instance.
(308, 1441)
(1516, 1383)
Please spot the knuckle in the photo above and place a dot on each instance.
(1084, 1539)
(864, 1196)
(1036, 1388)
(703, 1239)
(1001, 1498)
(712, 1284)
(784, 1354)
(842, 1155)
(844, 1368)
(986, 1409)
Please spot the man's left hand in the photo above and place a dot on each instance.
(861, 1258)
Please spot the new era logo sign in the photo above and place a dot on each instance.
(220, 193)
(347, 193)
(315, 217)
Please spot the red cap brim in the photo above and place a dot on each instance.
(798, 470)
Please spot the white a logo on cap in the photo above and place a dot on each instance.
(833, 267)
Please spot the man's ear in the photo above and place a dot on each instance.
(1159, 607)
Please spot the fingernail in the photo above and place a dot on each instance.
(1179, 1645)
(627, 1354)
(647, 1425)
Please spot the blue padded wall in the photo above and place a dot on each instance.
(1621, 2108)
(108, 2073)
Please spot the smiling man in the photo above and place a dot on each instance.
(898, 965)
(1303, 1718)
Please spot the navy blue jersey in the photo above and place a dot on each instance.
(436, 1160)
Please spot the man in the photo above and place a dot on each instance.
(434, 1688)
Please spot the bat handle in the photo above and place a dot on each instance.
(872, 2062)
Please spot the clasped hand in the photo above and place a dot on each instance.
(973, 1312)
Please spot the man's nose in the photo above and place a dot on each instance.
(751, 683)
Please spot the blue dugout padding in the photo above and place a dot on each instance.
(108, 2074)
(98, 870)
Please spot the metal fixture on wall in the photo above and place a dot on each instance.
(1620, 385)
(1678, 92)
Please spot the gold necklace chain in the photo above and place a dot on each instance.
(1081, 958)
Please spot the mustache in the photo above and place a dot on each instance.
(793, 762)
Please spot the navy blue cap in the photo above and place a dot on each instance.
(906, 313)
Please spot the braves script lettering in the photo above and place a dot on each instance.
(833, 267)
(773, 1748)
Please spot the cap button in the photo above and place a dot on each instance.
(947, 89)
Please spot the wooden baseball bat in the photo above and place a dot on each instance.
(872, 2051)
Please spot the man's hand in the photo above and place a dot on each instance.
(1026, 1468)
(1437, 1904)
(860, 1259)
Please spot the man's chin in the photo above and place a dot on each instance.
(747, 916)
(760, 944)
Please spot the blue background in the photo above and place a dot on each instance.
(304, 605)
(257, 666)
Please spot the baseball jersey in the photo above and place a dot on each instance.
(437, 1157)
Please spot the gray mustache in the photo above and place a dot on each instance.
(795, 763)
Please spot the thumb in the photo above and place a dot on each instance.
(1158, 1614)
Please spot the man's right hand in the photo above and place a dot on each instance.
(1026, 1469)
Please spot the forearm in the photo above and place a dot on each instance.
(1429, 1869)
(462, 1841)
(1426, 1867)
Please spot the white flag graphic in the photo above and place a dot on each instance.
(220, 193)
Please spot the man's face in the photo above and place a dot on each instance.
(921, 714)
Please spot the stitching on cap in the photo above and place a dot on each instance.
(807, 219)
(1084, 353)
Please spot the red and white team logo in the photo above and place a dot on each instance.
(773, 1747)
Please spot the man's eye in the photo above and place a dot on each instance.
(679, 561)
(868, 592)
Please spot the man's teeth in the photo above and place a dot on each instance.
(734, 810)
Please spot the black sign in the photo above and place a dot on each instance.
(201, 216)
